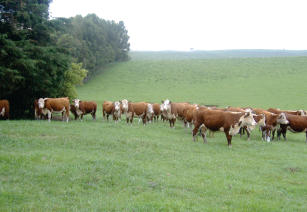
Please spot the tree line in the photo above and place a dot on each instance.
(43, 57)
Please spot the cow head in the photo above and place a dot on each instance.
(76, 103)
(248, 119)
(41, 103)
(125, 104)
(301, 113)
(282, 119)
(117, 106)
(166, 106)
(150, 109)
(2, 111)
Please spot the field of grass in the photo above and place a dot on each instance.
(99, 165)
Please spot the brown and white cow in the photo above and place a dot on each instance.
(85, 107)
(297, 124)
(228, 122)
(38, 112)
(127, 109)
(111, 108)
(4, 109)
(260, 120)
(150, 113)
(140, 110)
(188, 114)
(169, 111)
(272, 121)
(73, 110)
(52, 105)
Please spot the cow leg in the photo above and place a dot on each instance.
(229, 137)
(248, 134)
(195, 130)
(284, 133)
(273, 134)
(49, 115)
(268, 135)
(94, 115)
(279, 133)
(82, 117)
(306, 137)
(203, 131)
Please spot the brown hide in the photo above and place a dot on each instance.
(178, 108)
(297, 123)
(74, 111)
(107, 108)
(278, 111)
(235, 109)
(57, 104)
(139, 109)
(188, 113)
(215, 120)
(156, 109)
(88, 107)
(6, 105)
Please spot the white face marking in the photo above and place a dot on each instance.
(117, 106)
(125, 104)
(41, 103)
(249, 120)
(282, 119)
(76, 102)
(2, 111)
(150, 109)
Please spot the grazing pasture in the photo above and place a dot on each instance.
(105, 166)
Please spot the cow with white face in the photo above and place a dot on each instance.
(150, 112)
(51, 105)
(168, 112)
(85, 107)
(127, 109)
(116, 111)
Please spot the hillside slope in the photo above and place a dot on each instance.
(257, 82)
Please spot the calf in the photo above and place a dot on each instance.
(85, 107)
(52, 105)
(297, 123)
(4, 109)
(215, 120)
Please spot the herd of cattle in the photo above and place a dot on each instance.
(230, 120)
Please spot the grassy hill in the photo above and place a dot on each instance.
(100, 165)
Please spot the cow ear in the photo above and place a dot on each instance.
(170, 102)
(162, 101)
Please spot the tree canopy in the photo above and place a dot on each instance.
(40, 57)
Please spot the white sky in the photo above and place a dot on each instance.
(200, 24)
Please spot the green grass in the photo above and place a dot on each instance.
(103, 166)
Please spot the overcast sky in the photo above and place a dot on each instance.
(200, 24)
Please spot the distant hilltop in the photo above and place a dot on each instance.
(198, 54)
